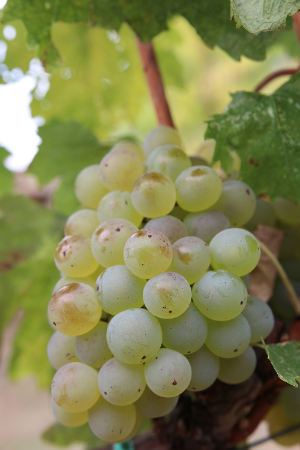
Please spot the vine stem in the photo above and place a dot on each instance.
(284, 278)
(155, 83)
(274, 75)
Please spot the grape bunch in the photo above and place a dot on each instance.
(152, 299)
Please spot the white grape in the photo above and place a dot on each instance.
(205, 369)
(239, 369)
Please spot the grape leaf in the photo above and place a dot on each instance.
(6, 177)
(62, 436)
(259, 15)
(66, 149)
(211, 19)
(285, 358)
(264, 131)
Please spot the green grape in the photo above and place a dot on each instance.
(206, 225)
(168, 159)
(63, 281)
(66, 418)
(153, 195)
(237, 201)
(118, 205)
(111, 423)
(263, 215)
(117, 289)
(119, 169)
(260, 318)
(84, 221)
(220, 295)
(289, 399)
(235, 250)
(74, 387)
(178, 212)
(74, 309)
(73, 256)
(108, 241)
(148, 253)
(205, 369)
(137, 426)
(152, 405)
(191, 258)
(171, 227)
(287, 212)
(159, 136)
(280, 302)
(121, 384)
(168, 374)
(131, 147)
(88, 187)
(230, 338)
(198, 161)
(134, 336)
(239, 369)
(279, 421)
(186, 333)
(61, 350)
(198, 188)
(91, 347)
(167, 295)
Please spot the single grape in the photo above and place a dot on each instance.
(168, 159)
(134, 336)
(280, 302)
(61, 350)
(286, 211)
(119, 169)
(206, 225)
(239, 369)
(220, 295)
(260, 318)
(91, 347)
(73, 256)
(168, 374)
(88, 187)
(66, 418)
(205, 369)
(111, 423)
(191, 258)
(74, 309)
(159, 136)
(263, 215)
(230, 338)
(108, 240)
(84, 221)
(235, 250)
(167, 295)
(118, 289)
(186, 333)
(74, 387)
(63, 281)
(170, 226)
(237, 201)
(148, 253)
(120, 383)
(153, 195)
(130, 146)
(118, 205)
(279, 421)
(152, 405)
(289, 399)
(198, 188)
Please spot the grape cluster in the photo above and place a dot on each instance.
(153, 299)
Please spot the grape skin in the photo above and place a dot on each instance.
(205, 369)
(152, 405)
(88, 187)
(61, 350)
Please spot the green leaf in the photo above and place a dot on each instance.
(66, 149)
(264, 131)
(259, 15)
(62, 436)
(285, 358)
(6, 176)
(211, 19)
(23, 227)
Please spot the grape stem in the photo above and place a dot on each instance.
(274, 75)
(284, 278)
(155, 83)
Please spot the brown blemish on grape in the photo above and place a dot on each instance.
(198, 172)
(105, 393)
(235, 350)
(242, 303)
(184, 257)
(118, 229)
(174, 383)
(54, 323)
(98, 231)
(144, 357)
(170, 312)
